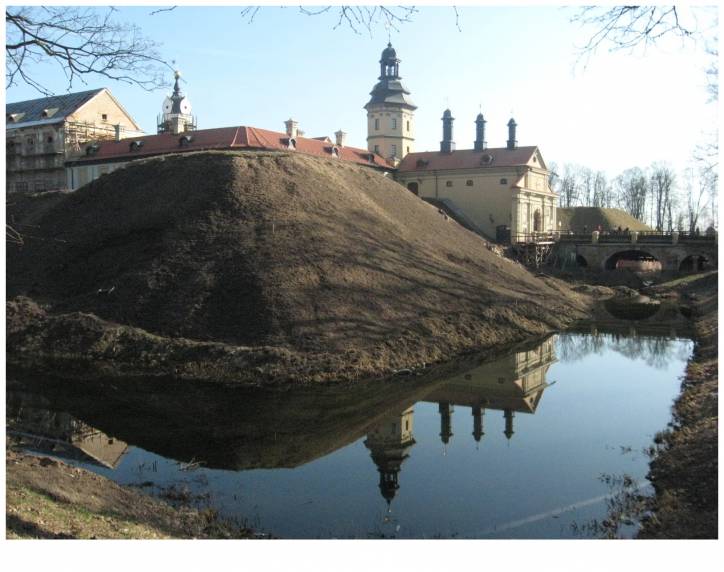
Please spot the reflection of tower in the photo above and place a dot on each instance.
(478, 432)
(508, 413)
(389, 443)
(446, 411)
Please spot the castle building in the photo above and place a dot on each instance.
(390, 112)
(178, 133)
(502, 193)
(42, 134)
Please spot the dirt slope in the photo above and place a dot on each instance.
(576, 218)
(282, 250)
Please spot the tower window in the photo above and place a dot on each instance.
(408, 149)
(394, 150)
(469, 182)
(503, 181)
(377, 149)
(408, 125)
(377, 124)
(394, 123)
(448, 183)
(104, 117)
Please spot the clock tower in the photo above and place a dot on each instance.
(176, 115)
(390, 112)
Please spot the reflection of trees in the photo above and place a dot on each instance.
(656, 352)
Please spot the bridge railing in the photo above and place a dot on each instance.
(615, 237)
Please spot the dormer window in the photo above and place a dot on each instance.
(135, 145)
(422, 163)
(371, 157)
(185, 140)
(49, 112)
(14, 117)
(292, 143)
(486, 159)
(335, 152)
(92, 149)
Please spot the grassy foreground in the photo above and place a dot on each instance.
(685, 466)
(46, 498)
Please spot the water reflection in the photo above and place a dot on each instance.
(33, 426)
(385, 439)
(657, 352)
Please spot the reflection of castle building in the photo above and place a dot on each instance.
(513, 383)
(58, 433)
(389, 443)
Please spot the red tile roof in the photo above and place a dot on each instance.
(229, 138)
(467, 159)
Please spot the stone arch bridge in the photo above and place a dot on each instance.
(676, 252)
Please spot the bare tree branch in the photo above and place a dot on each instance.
(169, 9)
(356, 18)
(82, 41)
(627, 27)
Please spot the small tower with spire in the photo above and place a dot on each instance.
(447, 145)
(176, 115)
(390, 112)
(511, 133)
(479, 144)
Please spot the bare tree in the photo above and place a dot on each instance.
(699, 188)
(661, 185)
(357, 18)
(602, 196)
(632, 188)
(627, 27)
(82, 41)
(568, 187)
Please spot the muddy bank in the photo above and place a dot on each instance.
(684, 469)
(46, 498)
(262, 268)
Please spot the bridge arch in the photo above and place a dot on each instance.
(636, 260)
(697, 262)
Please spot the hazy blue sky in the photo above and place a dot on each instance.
(621, 110)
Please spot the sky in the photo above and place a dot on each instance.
(614, 111)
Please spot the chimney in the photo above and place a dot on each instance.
(340, 137)
(118, 131)
(511, 134)
(447, 145)
(292, 127)
(479, 144)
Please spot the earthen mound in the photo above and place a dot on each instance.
(284, 250)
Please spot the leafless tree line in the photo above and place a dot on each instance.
(655, 195)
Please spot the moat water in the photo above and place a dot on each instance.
(535, 444)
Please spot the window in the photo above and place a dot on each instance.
(377, 124)
(104, 117)
(394, 150)
(469, 183)
(31, 141)
(394, 123)
(408, 125)
(377, 149)
(408, 149)
(448, 183)
(504, 181)
(21, 187)
(49, 138)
